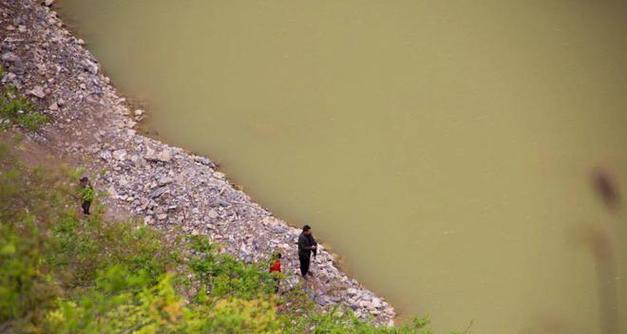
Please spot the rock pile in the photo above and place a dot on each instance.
(165, 186)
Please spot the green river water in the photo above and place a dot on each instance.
(443, 148)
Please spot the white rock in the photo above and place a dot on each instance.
(37, 91)
(130, 123)
(112, 192)
(10, 57)
(105, 155)
(91, 66)
(213, 214)
(164, 156)
(119, 154)
(165, 180)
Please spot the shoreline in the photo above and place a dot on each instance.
(165, 186)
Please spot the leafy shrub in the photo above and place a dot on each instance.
(23, 287)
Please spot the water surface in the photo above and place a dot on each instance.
(444, 148)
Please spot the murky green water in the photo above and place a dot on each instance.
(444, 148)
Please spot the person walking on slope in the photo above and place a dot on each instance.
(306, 245)
(87, 194)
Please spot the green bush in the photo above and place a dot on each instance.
(23, 287)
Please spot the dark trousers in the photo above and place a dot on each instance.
(304, 263)
(85, 206)
(276, 284)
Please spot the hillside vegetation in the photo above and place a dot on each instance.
(61, 272)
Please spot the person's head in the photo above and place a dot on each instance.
(84, 180)
(307, 229)
(277, 255)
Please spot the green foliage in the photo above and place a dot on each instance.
(16, 109)
(125, 304)
(222, 275)
(84, 247)
(64, 273)
(23, 287)
(233, 315)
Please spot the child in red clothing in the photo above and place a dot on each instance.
(275, 271)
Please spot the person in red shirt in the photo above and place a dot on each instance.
(275, 270)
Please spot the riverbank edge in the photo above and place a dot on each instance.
(165, 186)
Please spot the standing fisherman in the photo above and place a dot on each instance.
(87, 194)
(306, 245)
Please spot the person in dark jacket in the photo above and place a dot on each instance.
(306, 245)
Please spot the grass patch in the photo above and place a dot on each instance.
(16, 109)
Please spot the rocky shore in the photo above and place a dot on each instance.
(164, 186)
